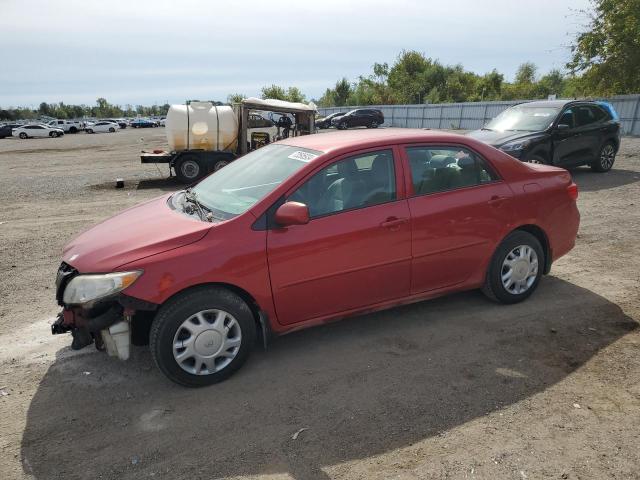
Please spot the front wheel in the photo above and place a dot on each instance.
(515, 269)
(606, 159)
(202, 337)
(373, 124)
(23, 135)
(188, 169)
(342, 125)
(112, 130)
(89, 130)
(73, 130)
(220, 164)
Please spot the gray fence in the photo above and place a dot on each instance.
(472, 115)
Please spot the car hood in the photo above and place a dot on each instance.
(146, 229)
(496, 138)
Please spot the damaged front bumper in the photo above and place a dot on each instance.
(106, 322)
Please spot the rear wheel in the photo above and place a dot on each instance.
(202, 337)
(112, 130)
(89, 130)
(540, 160)
(189, 169)
(220, 164)
(373, 124)
(515, 269)
(343, 125)
(53, 134)
(73, 130)
(23, 135)
(606, 159)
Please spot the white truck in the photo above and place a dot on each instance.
(204, 137)
(67, 126)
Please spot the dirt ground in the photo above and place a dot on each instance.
(456, 388)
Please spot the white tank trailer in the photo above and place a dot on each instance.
(204, 137)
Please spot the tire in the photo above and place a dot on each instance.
(343, 126)
(53, 134)
(189, 316)
(220, 164)
(373, 124)
(189, 169)
(112, 130)
(605, 159)
(519, 290)
(89, 130)
(73, 130)
(539, 159)
(23, 135)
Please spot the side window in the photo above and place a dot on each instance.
(584, 116)
(567, 118)
(437, 169)
(354, 182)
(599, 114)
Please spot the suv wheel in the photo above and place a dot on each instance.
(606, 159)
(515, 269)
(373, 124)
(343, 125)
(202, 337)
(536, 159)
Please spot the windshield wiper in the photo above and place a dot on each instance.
(191, 197)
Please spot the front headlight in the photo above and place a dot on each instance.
(510, 147)
(87, 288)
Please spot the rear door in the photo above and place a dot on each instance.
(460, 209)
(356, 249)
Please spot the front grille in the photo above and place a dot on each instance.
(65, 273)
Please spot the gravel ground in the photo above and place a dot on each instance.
(457, 387)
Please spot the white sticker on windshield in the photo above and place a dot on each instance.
(302, 156)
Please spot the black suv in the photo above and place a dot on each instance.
(326, 121)
(361, 117)
(566, 133)
(6, 130)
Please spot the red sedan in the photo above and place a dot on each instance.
(309, 230)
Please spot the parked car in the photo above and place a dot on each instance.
(325, 122)
(566, 133)
(361, 117)
(67, 126)
(6, 130)
(103, 127)
(143, 123)
(307, 230)
(163, 122)
(38, 130)
(120, 121)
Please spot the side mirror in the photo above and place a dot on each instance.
(563, 127)
(292, 213)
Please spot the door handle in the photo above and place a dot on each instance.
(496, 200)
(393, 222)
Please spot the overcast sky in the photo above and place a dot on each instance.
(146, 51)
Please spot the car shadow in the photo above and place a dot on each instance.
(590, 181)
(166, 184)
(359, 388)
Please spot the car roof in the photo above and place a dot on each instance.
(364, 138)
(554, 103)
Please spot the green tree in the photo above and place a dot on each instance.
(607, 53)
(235, 98)
(295, 95)
(274, 91)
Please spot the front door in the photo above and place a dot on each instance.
(460, 209)
(356, 249)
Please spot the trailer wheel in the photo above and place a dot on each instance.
(219, 164)
(189, 169)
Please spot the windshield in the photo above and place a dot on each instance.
(234, 189)
(523, 118)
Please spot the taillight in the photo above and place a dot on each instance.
(572, 190)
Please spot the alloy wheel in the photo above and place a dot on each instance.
(207, 342)
(190, 169)
(607, 156)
